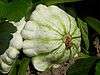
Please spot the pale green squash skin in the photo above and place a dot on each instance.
(44, 36)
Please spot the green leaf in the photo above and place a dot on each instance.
(15, 67)
(20, 66)
(2, 9)
(94, 23)
(82, 55)
(35, 2)
(71, 11)
(6, 29)
(97, 68)
(50, 2)
(82, 66)
(84, 30)
(23, 66)
(15, 9)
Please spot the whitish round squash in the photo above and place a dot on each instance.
(51, 36)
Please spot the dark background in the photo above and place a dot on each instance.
(89, 8)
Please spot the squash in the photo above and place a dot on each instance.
(51, 36)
